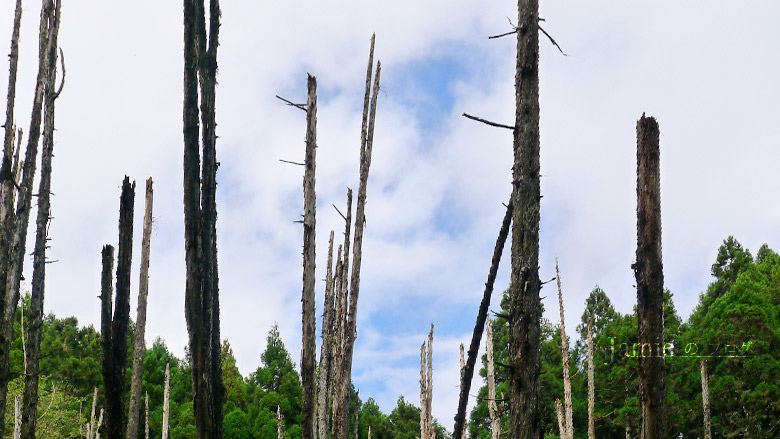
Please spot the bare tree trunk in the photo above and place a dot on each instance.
(91, 427)
(524, 303)
(591, 385)
(100, 422)
(705, 399)
(323, 385)
(423, 394)
(369, 432)
(465, 385)
(429, 388)
(495, 421)
(309, 352)
(648, 270)
(357, 414)
(115, 340)
(569, 426)
(200, 215)
(279, 434)
(139, 344)
(8, 143)
(18, 417)
(462, 375)
(561, 423)
(146, 418)
(166, 401)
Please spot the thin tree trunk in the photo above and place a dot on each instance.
(139, 344)
(323, 386)
(465, 385)
(462, 375)
(423, 394)
(648, 270)
(279, 433)
(17, 417)
(369, 432)
(146, 418)
(591, 385)
(115, 341)
(166, 401)
(14, 238)
(524, 303)
(429, 399)
(495, 421)
(91, 427)
(569, 426)
(357, 414)
(309, 352)
(705, 399)
(561, 423)
(100, 422)
(8, 142)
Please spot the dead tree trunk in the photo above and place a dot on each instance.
(429, 397)
(495, 421)
(166, 401)
(568, 424)
(462, 375)
(356, 425)
(17, 417)
(114, 329)
(323, 391)
(139, 344)
(91, 426)
(8, 142)
(426, 386)
(591, 385)
(309, 353)
(465, 381)
(146, 417)
(648, 270)
(32, 359)
(14, 237)
(705, 399)
(200, 215)
(279, 432)
(561, 423)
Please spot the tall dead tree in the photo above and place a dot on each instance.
(326, 351)
(524, 303)
(32, 359)
(139, 344)
(648, 270)
(705, 399)
(13, 237)
(495, 420)
(426, 387)
(468, 372)
(341, 403)
(114, 328)
(462, 375)
(166, 401)
(591, 385)
(200, 215)
(309, 352)
(568, 431)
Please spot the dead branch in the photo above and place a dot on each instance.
(292, 104)
(487, 122)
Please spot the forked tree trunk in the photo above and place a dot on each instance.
(495, 420)
(166, 401)
(591, 385)
(648, 270)
(568, 424)
(139, 345)
(524, 303)
(309, 352)
(705, 399)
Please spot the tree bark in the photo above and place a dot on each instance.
(466, 377)
(323, 385)
(91, 427)
(524, 303)
(561, 423)
(8, 142)
(591, 385)
(146, 418)
(429, 388)
(705, 399)
(648, 270)
(462, 375)
(309, 353)
(495, 421)
(568, 424)
(17, 417)
(279, 434)
(139, 345)
(423, 394)
(166, 401)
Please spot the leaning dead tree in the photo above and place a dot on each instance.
(309, 352)
(568, 426)
(648, 270)
(114, 328)
(524, 303)
(139, 344)
(705, 399)
(201, 295)
(426, 388)
(33, 354)
(591, 384)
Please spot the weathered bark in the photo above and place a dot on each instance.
(524, 302)
(705, 399)
(139, 344)
(115, 340)
(323, 391)
(648, 270)
(17, 417)
(495, 420)
(91, 427)
(279, 432)
(568, 424)
(462, 374)
(100, 422)
(309, 352)
(146, 418)
(465, 380)
(14, 239)
(8, 143)
(200, 215)
(423, 394)
(356, 424)
(369, 432)
(591, 385)
(166, 401)
(429, 388)
(561, 422)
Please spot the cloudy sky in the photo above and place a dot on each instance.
(707, 70)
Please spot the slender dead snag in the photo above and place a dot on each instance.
(200, 215)
(705, 399)
(369, 432)
(279, 433)
(462, 375)
(426, 386)
(309, 353)
(591, 385)
(8, 143)
(22, 336)
(429, 389)
(323, 392)
(357, 414)
(91, 427)
(569, 426)
(146, 417)
(17, 417)
(648, 270)
(114, 329)
(166, 401)
(139, 344)
(561, 422)
(495, 420)
(524, 302)
(465, 385)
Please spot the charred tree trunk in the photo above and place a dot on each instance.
(705, 399)
(568, 424)
(166, 401)
(200, 215)
(591, 385)
(139, 344)
(115, 328)
(309, 353)
(648, 270)
(323, 392)
(524, 303)
(495, 421)
(468, 374)
(32, 359)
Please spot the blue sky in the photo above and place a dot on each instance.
(706, 70)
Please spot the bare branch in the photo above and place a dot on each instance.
(291, 104)
(487, 122)
(62, 81)
(552, 40)
(337, 210)
(292, 163)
